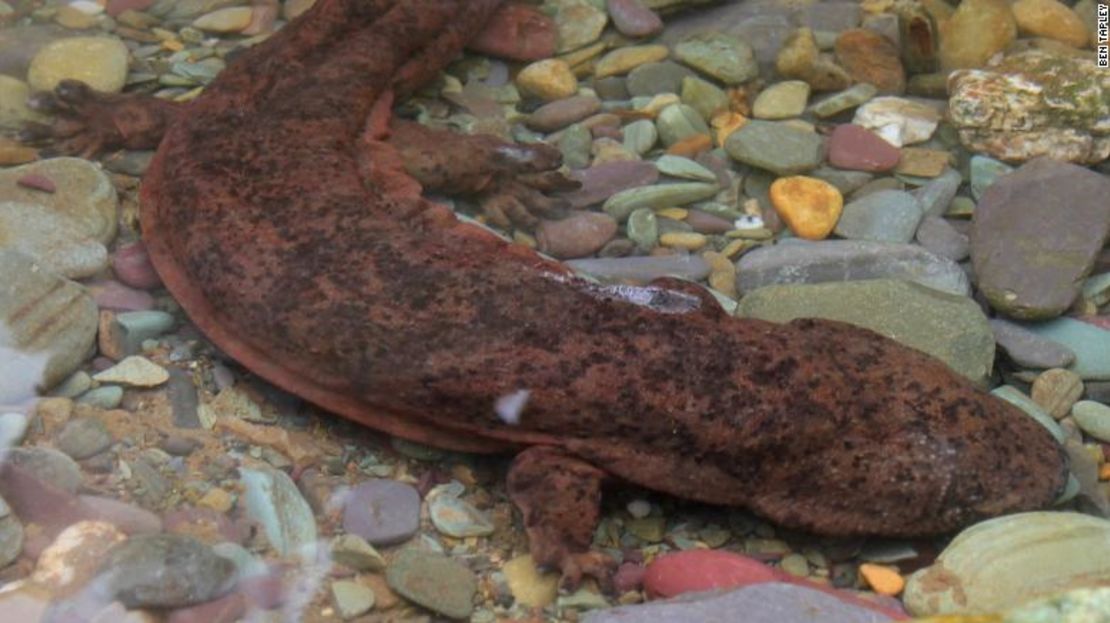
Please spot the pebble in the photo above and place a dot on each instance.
(1040, 276)
(129, 518)
(134, 371)
(353, 551)
(768, 602)
(810, 207)
(921, 162)
(660, 196)
(776, 147)
(977, 30)
(704, 96)
(579, 23)
(952, 329)
(383, 512)
(884, 216)
(47, 465)
(719, 55)
(856, 148)
(114, 296)
(984, 172)
(100, 62)
(1015, 397)
(1094, 418)
(272, 499)
(940, 237)
(1056, 390)
(640, 136)
(883, 580)
(623, 60)
(1088, 342)
(122, 335)
(549, 80)
(433, 581)
(643, 229)
(678, 122)
(781, 100)
(633, 19)
(1050, 19)
(657, 78)
(683, 240)
(847, 99)
(103, 397)
(75, 556)
(11, 535)
(227, 20)
(799, 57)
(132, 266)
(897, 120)
(685, 168)
(83, 437)
(602, 181)
(47, 326)
(165, 571)
(936, 196)
(351, 598)
(13, 427)
(456, 517)
(699, 570)
(871, 58)
(14, 111)
(641, 270)
(1003, 562)
(579, 235)
(848, 260)
(560, 114)
(529, 587)
(1027, 349)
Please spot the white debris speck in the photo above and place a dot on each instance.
(510, 406)
(748, 222)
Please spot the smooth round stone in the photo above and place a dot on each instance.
(950, 328)
(14, 111)
(81, 438)
(1089, 343)
(633, 19)
(165, 571)
(13, 427)
(1056, 390)
(643, 228)
(871, 58)
(561, 113)
(1024, 270)
(719, 55)
(855, 148)
(575, 143)
(924, 163)
(641, 270)
(845, 100)
(83, 195)
(434, 582)
(781, 100)
(1027, 349)
(679, 122)
(49, 466)
(1050, 19)
(810, 207)
(47, 326)
(458, 518)
(844, 181)
(977, 30)
(383, 512)
(800, 58)
(984, 172)
(54, 241)
(623, 60)
(103, 397)
(529, 587)
(703, 96)
(351, 598)
(937, 195)
(699, 570)
(579, 24)
(939, 236)
(579, 235)
(549, 80)
(776, 147)
(1003, 562)
(1094, 418)
(226, 20)
(134, 371)
(883, 216)
(706, 223)
(656, 78)
(658, 197)
(273, 500)
(100, 62)
(353, 551)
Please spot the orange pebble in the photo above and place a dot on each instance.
(691, 146)
(882, 580)
(1104, 471)
(809, 206)
(725, 123)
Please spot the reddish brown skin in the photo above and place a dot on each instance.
(291, 233)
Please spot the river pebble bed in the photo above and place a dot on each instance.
(884, 163)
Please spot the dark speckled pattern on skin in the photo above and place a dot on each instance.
(301, 250)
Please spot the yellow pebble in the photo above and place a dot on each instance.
(624, 60)
(683, 240)
(722, 276)
(809, 206)
(659, 102)
(1104, 471)
(173, 45)
(882, 580)
(677, 214)
(1051, 19)
(736, 247)
(550, 79)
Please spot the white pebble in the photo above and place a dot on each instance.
(639, 508)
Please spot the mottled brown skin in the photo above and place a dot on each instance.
(292, 235)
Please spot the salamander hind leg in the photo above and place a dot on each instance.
(87, 122)
(559, 496)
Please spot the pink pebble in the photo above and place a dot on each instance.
(859, 149)
(629, 577)
(115, 7)
(702, 570)
(132, 266)
(114, 296)
(1102, 322)
(226, 609)
(37, 181)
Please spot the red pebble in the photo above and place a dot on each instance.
(132, 266)
(629, 577)
(517, 32)
(115, 7)
(702, 570)
(37, 181)
(859, 149)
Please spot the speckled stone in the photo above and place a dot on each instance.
(433, 581)
(165, 571)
